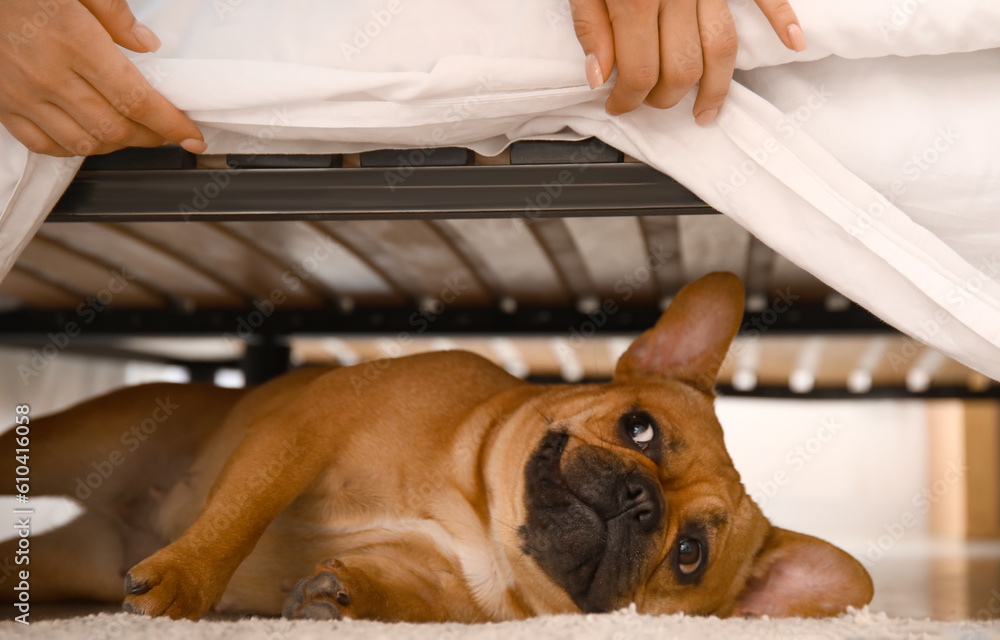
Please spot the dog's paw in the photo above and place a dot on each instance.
(321, 596)
(161, 585)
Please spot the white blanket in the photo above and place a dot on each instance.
(878, 174)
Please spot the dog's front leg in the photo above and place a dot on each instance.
(281, 455)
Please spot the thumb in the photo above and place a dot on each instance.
(593, 29)
(120, 23)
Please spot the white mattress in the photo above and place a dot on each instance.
(869, 160)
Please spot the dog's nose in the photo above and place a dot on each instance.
(643, 502)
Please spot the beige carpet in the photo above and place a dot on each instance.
(623, 625)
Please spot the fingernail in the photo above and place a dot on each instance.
(706, 116)
(193, 145)
(145, 36)
(594, 75)
(796, 38)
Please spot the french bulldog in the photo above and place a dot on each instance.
(443, 489)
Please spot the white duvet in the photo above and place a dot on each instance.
(871, 159)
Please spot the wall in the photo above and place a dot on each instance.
(841, 470)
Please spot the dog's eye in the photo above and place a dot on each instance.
(642, 432)
(640, 427)
(688, 555)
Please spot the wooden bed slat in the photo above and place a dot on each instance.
(619, 272)
(37, 292)
(117, 287)
(555, 239)
(415, 257)
(162, 270)
(712, 243)
(663, 244)
(213, 250)
(513, 258)
(319, 260)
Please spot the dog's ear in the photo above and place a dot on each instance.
(799, 575)
(692, 337)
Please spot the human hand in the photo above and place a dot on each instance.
(67, 90)
(665, 47)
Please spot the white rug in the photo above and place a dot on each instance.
(622, 625)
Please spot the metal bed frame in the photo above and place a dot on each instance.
(165, 184)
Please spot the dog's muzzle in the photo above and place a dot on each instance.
(591, 520)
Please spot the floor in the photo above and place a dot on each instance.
(940, 581)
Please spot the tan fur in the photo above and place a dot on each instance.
(409, 488)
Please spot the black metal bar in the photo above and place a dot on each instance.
(268, 357)
(423, 192)
(283, 161)
(896, 392)
(31, 325)
(563, 152)
(168, 157)
(265, 357)
(204, 371)
(875, 393)
(435, 157)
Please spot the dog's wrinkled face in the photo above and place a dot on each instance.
(629, 495)
(634, 499)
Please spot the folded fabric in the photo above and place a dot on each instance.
(815, 158)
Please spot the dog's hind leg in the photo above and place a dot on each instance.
(115, 447)
(85, 559)
(115, 455)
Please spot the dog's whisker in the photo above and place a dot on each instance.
(548, 419)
